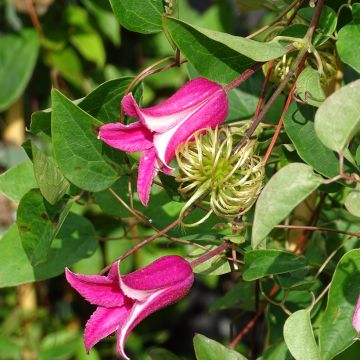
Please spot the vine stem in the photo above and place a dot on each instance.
(244, 76)
(277, 19)
(143, 243)
(307, 40)
(253, 321)
(308, 37)
(264, 87)
(286, 107)
(318, 228)
(210, 254)
(34, 18)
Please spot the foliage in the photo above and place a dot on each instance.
(287, 271)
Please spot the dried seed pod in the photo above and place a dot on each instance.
(207, 166)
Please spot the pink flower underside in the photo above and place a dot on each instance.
(130, 138)
(162, 273)
(148, 169)
(208, 115)
(139, 294)
(356, 316)
(104, 321)
(96, 289)
(154, 302)
(182, 104)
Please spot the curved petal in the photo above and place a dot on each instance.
(96, 289)
(356, 316)
(147, 172)
(154, 302)
(208, 115)
(165, 272)
(103, 322)
(180, 106)
(131, 138)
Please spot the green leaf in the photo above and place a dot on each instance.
(61, 345)
(358, 155)
(277, 352)
(18, 180)
(260, 263)
(15, 73)
(75, 240)
(51, 181)
(34, 221)
(336, 331)
(90, 265)
(170, 186)
(352, 202)
(69, 65)
(77, 150)
(219, 56)
(10, 349)
(308, 87)
(327, 23)
(284, 191)
(348, 42)
(235, 298)
(296, 280)
(102, 103)
(143, 17)
(162, 354)
(109, 204)
(105, 19)
(207, 349)
(299, 125)
(299, 336)
(338, 118)
(90, 46)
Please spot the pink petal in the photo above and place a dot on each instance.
(131, 138)
(165, 272)
(105, 321)
(208, 115)
(96, 289)
(180, 106)
(154, 302)
(356, 316)
(147, 172)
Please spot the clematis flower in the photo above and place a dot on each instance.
(123, 301)
(198, 104)
(356, 316)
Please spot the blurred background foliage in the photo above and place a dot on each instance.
(75, 46)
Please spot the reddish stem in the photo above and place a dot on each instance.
(243, 77)
(34, 18)
(252, 322)
(210, 254)
(264, 86)
(286, 106)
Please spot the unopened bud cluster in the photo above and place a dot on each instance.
(208, 167)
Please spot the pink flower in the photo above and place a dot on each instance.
(356, 316)
(198, 104)
(123, 301)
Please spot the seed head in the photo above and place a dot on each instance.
(230, 182)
